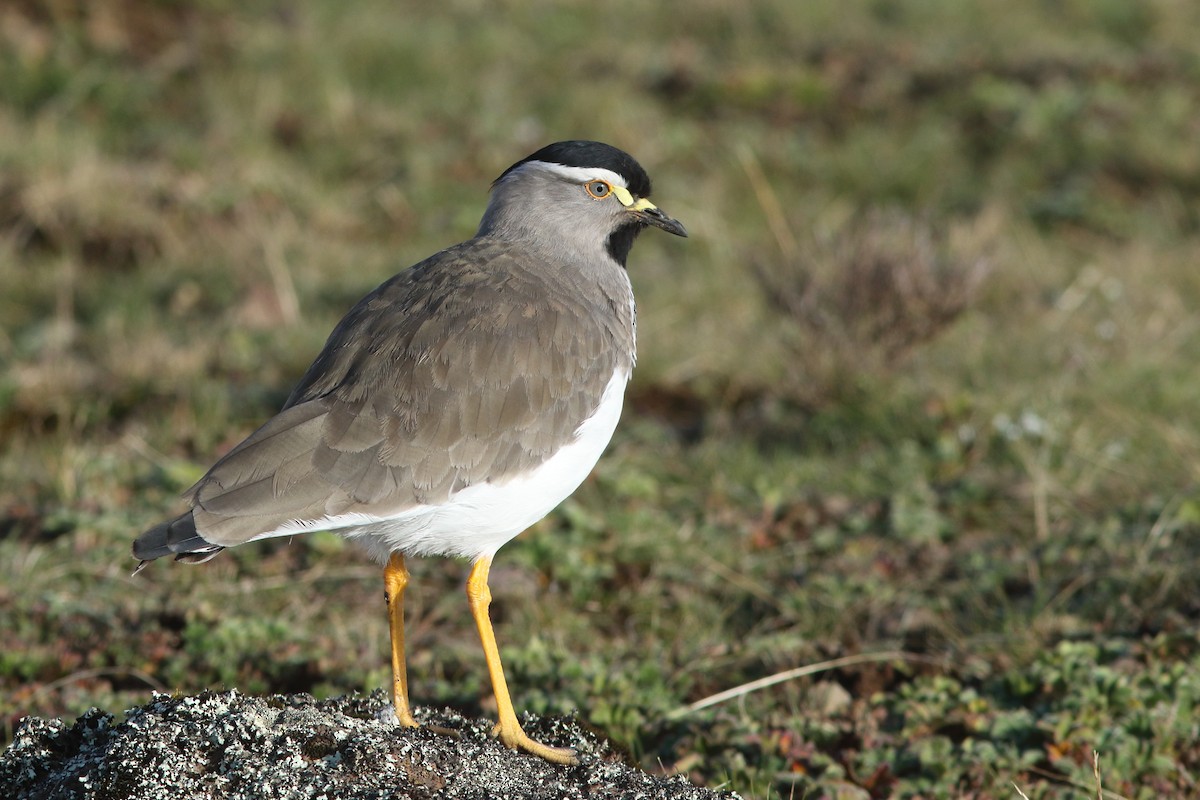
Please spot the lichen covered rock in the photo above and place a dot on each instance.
(227, 745)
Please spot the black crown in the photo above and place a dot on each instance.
(582, 153)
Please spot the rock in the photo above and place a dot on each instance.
(228, 745)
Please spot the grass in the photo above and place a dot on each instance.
(192, 193)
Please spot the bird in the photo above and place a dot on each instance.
(457, 403)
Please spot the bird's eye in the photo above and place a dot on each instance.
(598, 189)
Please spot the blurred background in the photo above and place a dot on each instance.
(920, 391)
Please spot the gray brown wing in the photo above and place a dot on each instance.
(467, 368)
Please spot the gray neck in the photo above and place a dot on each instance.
(569, 241)
(504, 217)
(516, 213)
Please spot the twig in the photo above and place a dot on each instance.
(769, 202)
(745, 583)
(799, 672)
(99, 672)
(281, 277)
(1104, 794)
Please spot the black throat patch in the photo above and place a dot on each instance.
(620, 241)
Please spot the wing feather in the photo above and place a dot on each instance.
(470, 367)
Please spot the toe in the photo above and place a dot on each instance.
(514, 738)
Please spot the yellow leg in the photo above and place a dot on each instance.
(395, 578)
(508, 730)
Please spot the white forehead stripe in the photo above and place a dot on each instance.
(579, 174)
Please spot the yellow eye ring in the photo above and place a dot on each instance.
(598, 189)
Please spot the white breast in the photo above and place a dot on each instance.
(478, 520)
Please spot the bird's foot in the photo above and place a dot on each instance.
(514, 737)
(402, 717)
(406, 720)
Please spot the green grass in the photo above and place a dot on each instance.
(192, 193)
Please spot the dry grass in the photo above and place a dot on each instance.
(972, 237)
(859, 301)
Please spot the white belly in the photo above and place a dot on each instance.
(478, 520)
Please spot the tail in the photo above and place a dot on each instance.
(175, 537)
